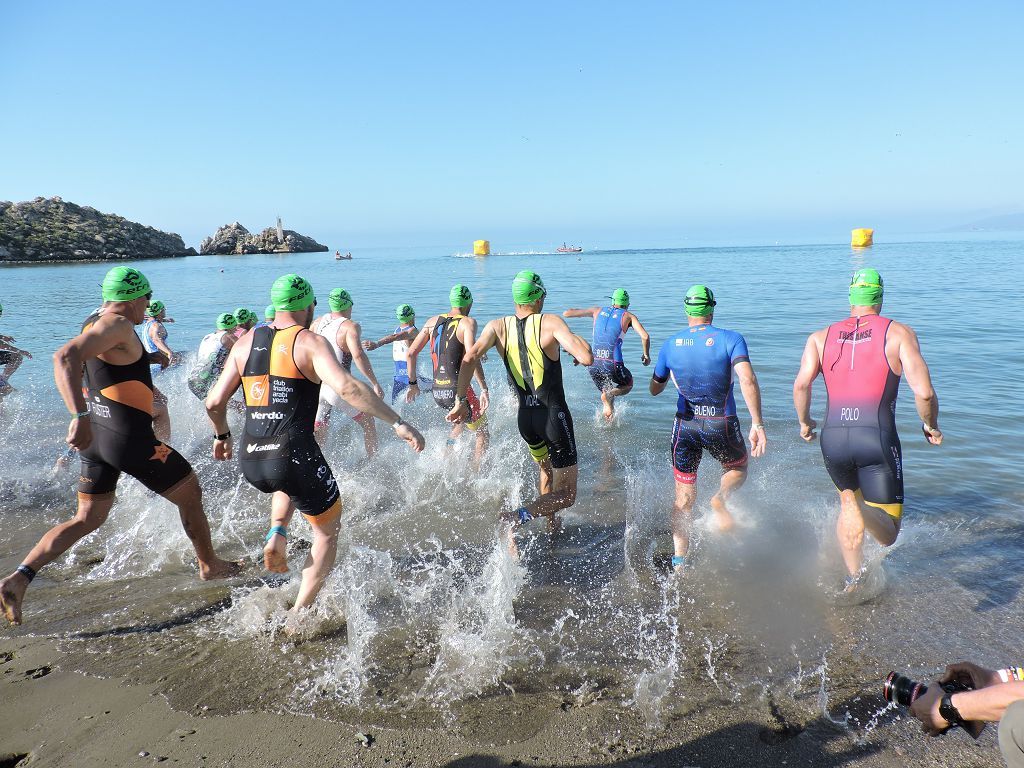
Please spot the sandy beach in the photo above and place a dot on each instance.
(52, 715)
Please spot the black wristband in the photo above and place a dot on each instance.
(26, 571)
(223, 435)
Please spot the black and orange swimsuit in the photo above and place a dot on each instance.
(120, 400)
(278, 451)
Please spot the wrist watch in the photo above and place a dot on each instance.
(948, 712)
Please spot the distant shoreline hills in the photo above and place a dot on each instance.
(53, 230)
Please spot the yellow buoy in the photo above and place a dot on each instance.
(862, 237)
(481, 247)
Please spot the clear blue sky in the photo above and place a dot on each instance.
(403, 122)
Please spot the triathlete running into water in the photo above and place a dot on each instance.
(212, 355)
(246, 319)
(399, 340)
(282, 369)
(113, 432)
(609, 371)
(342, 333)
(10, 358)
(154, 339)
(701, 361)
(530, 344)
(450, 336)
(862, 359)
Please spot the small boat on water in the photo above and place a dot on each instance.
(339, 257)
(570, 249)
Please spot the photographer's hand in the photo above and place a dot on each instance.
(926, 709)
(971, 675)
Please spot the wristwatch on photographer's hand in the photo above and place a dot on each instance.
(948, 712)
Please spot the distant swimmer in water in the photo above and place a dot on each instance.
(113, 431)
(609, 371)
(268, 317)
(530, 344)
(282, 369)
(246, 319)
(450, 336)
(342, 333)
(399, 340)
(862, 359)
(11, 359)
(211, 357)
(154, 339)
(701, 361)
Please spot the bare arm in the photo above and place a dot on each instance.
(471, 359)
(362, 362)
(752, 396)
(571, 343)
(920, 381)
(155, 337)
(405, 335)
(412, 354)
(810, 367)
(645, 338)
(220, 394)
(589, 312)
(468, 328)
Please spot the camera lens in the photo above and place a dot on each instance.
(901, 690)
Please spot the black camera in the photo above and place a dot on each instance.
(900, 689)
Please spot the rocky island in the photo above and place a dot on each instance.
(50, 229)
(236, 239)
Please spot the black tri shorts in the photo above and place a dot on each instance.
(157, 466)
(292, 465)
(549, 433)
(607, 377)
(720, 437)
(866, 459)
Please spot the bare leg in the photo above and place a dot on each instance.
(91, 514)
(682, 515)
(321, 556)
(452, 437)
(854, 519)
(483, 439)
(369, 425)
(161, 417)
(557, 491)
(732, 479)
(188, 498)
(608, 398)
(275, 553)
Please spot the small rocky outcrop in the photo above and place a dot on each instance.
(235, 239)
(50, 229)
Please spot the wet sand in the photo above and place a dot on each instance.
(60, 717)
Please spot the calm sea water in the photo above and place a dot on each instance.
(421, 566)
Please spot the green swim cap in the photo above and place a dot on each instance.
(291, 293)
(269, 312)
(866, 288)
(528, 288)
(699, 301)
(243, 315)
(405, 312)
(340, 300)
(226, 322)
(1, 310)
(620, 297)
(125, 284)
(155, 308)
(460, 296)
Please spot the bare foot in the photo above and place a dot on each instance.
(12, 592)
(275, 554)
(219, 569)
(722, 514)
(609, 406)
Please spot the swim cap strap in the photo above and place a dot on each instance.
(866, 288)
(699, 301)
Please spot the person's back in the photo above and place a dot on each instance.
(120, 396)
(861, 384)
(608, 333)
(701, 359)
(535, 376)
(212, 354)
